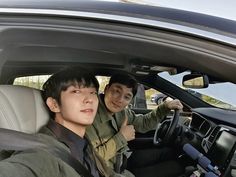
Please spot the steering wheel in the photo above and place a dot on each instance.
(165, 129)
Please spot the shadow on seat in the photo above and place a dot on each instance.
(22, 109)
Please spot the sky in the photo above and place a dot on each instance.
(221, 91)
(220, 8)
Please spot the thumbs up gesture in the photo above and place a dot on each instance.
(127, 131)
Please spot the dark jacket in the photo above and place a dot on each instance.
(40, 162)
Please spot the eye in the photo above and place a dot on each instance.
(94, 93)
(127, 98)
(76, 91)
(117, 91)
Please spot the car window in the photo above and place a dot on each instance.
(38, 81)
(31, 81)
(103, 81)
(220, 94)
(153, 97)
(146, 98)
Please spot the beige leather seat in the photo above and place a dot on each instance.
(22, 109)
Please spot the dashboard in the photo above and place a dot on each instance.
(218, 142)
(200, 125)
(222, 149)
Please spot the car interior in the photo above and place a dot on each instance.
(28, 117)
(203, 134)
(22, 109)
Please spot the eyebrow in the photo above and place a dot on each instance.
(80, 87)
(129, 94)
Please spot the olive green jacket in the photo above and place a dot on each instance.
(104, 133)
(39, 162)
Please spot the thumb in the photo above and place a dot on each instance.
(125, 121)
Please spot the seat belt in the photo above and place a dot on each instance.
(19, 141)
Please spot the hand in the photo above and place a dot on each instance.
(127, 131)
(173, 104)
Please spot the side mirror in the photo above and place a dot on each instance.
(195, 81)
(160, 98)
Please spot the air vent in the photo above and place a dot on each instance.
(213, 134)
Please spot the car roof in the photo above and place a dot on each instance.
(126, 12)
(107, 36)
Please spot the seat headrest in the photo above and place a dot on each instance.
(22, 109)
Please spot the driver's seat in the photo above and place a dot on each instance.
(22, 109)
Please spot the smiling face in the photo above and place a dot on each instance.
(117, 97)
(77, 109)
(79, 105)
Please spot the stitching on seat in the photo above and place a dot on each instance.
(40, 110)
(9, 121)
(36, 110)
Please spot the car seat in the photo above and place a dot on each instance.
(22, 109)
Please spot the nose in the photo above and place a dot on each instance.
(88, 98)
(120, 98)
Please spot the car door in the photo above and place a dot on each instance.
(143, 103)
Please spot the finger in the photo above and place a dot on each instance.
(131, 127)
(125, 122)
(179, 105)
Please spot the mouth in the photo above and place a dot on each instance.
(87, 110)
(115, 105)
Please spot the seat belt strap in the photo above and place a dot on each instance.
(19, 141)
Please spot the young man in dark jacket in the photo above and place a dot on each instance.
(71, 96)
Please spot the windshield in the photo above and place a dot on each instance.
(220, 95)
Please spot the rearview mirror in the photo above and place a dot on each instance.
(195, 81)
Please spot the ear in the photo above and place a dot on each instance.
(106, 88)
(52, 104)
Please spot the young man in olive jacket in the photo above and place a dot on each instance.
(115, 124)
(71, 96)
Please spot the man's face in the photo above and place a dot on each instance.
(117, 97)
(79, 105)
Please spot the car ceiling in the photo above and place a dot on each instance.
(31, 45)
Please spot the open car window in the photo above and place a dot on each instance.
(144, 99)
(31, 81)
(219, 94)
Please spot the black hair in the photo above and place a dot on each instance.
(125, 79)
(71, 76)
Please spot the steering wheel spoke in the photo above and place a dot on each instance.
(165, 129)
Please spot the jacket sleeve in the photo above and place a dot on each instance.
(147, 122)
(109, 149)
(32, 163)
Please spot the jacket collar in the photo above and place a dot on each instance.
(102, 110)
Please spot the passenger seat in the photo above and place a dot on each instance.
(22, 109)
